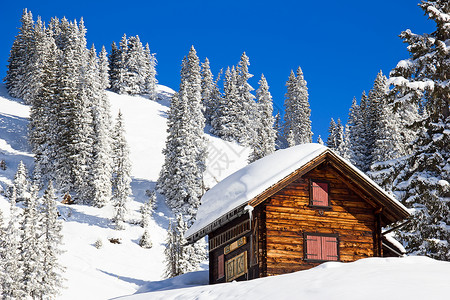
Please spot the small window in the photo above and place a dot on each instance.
(319, 193)
(321, 247)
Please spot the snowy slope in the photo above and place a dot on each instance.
(114, 269)
(370, 278)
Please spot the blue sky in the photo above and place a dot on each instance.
(340, 45)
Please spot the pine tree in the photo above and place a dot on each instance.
(332, 139)
(12, 282)
(264, 141)
(31, 248)
(172, 253)
(103, 68)
(42, 132)
(146, 215)
(297, 111)
(100, 185)
(357, 132)
(52, 281)
(121, 173)
(150, 81)
(247, 115)
(135, 66)
(20, 56)
(319, 140)
(223, 121)
(208, 101)
(424, 183)
(181, 178)
(21, 183)
(114, 67)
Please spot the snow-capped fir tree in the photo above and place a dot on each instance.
(51, 227)
(319, 140)
(181, 177)
(224, 118)
(191, 255)
(150, 81)
(18, 61)
(335, 140)
(119, 81)
(21, 183)
(114, 65)
(297, 112)
(135, 66)
(146, 215)
(100, 185)
(41, 129)
(331, 140)
(12, 281)
(280, 141)
(172, 252)
(31, 248)
(264, 141)
(121, 178)
(248, 115)
(103, 68)
(208, 102)
(424, 183)
(357, 132)
(74, 121)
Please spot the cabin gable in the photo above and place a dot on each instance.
(291, 219)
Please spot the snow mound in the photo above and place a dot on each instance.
(370, 278)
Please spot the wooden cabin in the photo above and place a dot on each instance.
(291, 211)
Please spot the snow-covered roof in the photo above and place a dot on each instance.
(247, 183)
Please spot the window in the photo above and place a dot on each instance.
(322, 247)
(319, 193)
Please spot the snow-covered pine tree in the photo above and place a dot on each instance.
(74, 127)
(21, 183)
(247, 116)
(191, 255)
(51, 227)
(12, 264)
(224, 118)
(280, 141)
(135, 66)
(332, 140)
(319, 140)
(41, 128)
(150, 81)
(424, 183)
(119, 83)
(172, 252)
(146, 215)
(19, 56)
(357, 131)
(121, 173)
(208, 102)
(185, 144)
(100, 185)
(31, 248)
(297, 112)
(103, 68)
(114, 64)
(264, 141)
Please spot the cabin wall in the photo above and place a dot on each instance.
(288, 216)
(249, 241)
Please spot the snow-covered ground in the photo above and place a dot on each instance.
(370, 278)
(114, 269)
(117, 270)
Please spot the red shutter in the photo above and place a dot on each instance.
(220, 266)
(329, 248)
(312, 247)
(320, 193)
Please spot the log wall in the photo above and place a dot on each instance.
(288, 215)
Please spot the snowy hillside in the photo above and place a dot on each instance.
(371, 278)
(114, 269)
